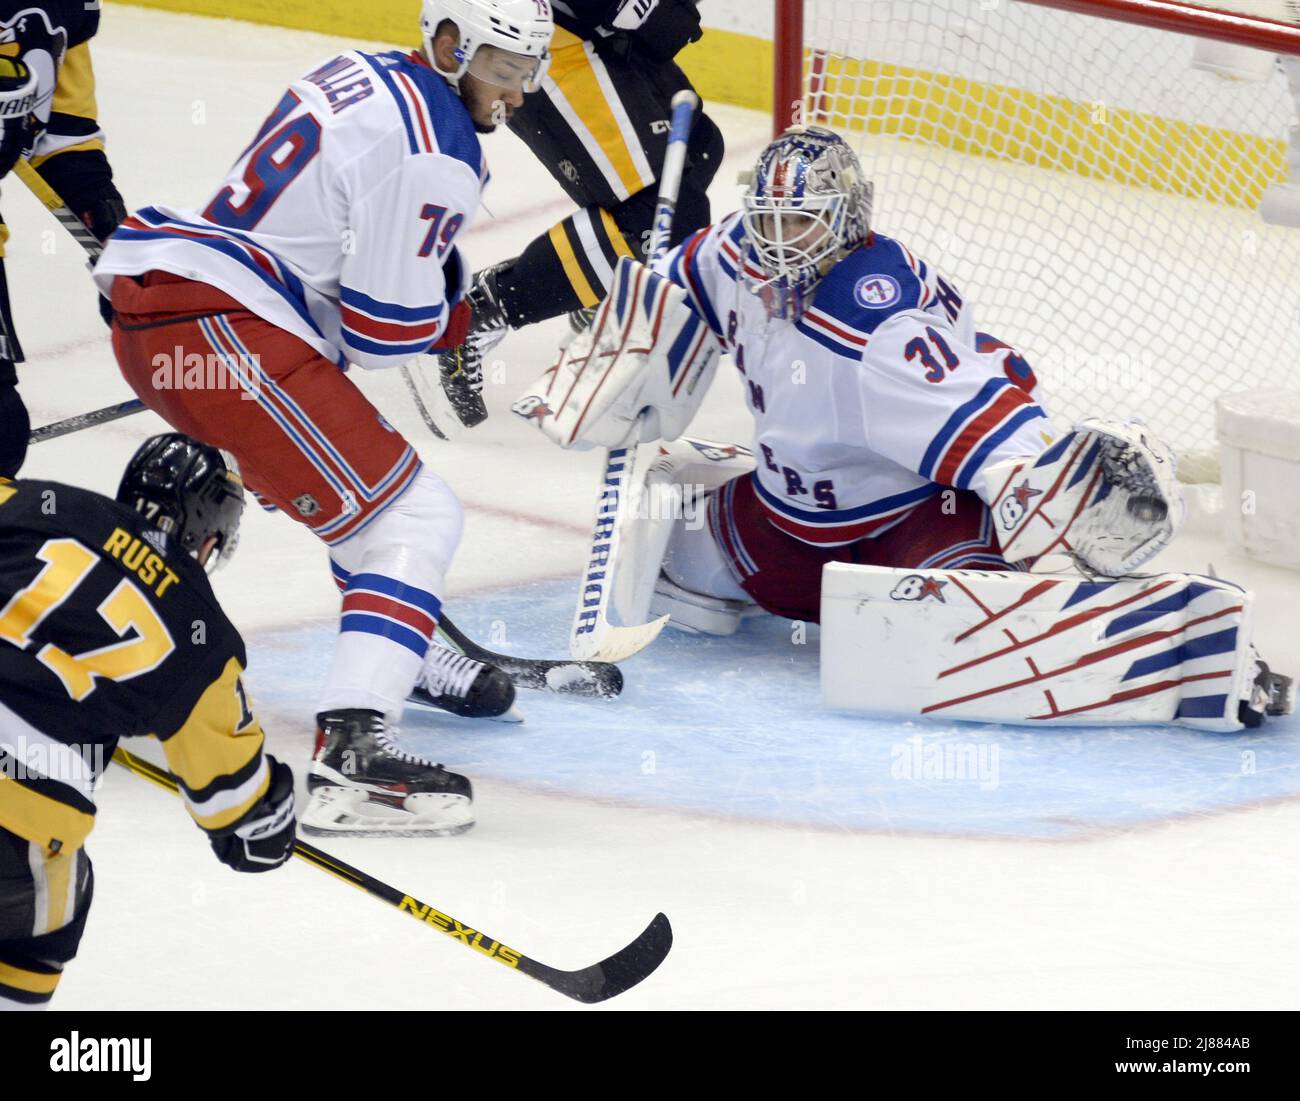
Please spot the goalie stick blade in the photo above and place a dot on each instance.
(595, 679)
(612, 976)
(610, 643)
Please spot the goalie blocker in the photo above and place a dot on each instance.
(1020, 648)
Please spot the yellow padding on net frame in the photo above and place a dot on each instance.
(1010, 124)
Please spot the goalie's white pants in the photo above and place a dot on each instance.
(391, 574)
(696, 562)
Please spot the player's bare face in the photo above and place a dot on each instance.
(489, 105)
(493, 87)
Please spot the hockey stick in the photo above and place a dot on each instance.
(597, 983)
(88, 241)
(49, 199)
(568, 678)
(413, 387)
(592, 636)
(85, 420)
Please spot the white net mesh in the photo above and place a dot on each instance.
(1092, 193)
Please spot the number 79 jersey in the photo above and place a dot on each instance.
(878, 397)
(106, 633)
(337, 221)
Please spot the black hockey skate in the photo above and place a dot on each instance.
(1270, 694)
(461, 369)
(452, 682)
(363, 784)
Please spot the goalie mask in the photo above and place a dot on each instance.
(807, 205)
(502, 42)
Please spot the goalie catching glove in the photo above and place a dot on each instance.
(638, 374)
(1107, 495)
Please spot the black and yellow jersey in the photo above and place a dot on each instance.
(107, 631)
(667, 25)
(52, 38)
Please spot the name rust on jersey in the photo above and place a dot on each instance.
(137, 555)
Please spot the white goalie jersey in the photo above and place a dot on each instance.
(338, 223)
(881, 395)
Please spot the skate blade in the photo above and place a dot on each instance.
(514, 715)
(340, 811)
(395, 831)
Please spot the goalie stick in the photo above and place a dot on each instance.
(597, 983)
(568, 678)
(592, 636)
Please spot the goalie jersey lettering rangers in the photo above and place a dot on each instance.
(877, 398)
(326, 226)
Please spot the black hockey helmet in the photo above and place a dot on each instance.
(187, 490)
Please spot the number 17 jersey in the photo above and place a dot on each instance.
(107, 631)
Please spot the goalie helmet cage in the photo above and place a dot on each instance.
(1085, 177)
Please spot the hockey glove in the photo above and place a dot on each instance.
(84, 181)
(265, 840)
(453, 336)
(662, 28)
(18, 126)
(1107, 495)
(638, 374)
(14, 427)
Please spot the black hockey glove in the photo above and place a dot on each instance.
(102, 219)
(18, 126)
(14, 425)
(662, 28)
(84, 181)
(265, 840)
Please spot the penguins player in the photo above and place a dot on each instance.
(99, 602)
(48, 118)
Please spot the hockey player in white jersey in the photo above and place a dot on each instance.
(889, 434)
(333, 241)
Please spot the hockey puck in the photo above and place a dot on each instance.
(1147, 508)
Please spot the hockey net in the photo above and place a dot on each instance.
(1084, 179)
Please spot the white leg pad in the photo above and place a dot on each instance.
(1035, 649)
(670, 500)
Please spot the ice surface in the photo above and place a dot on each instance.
(803, 859)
